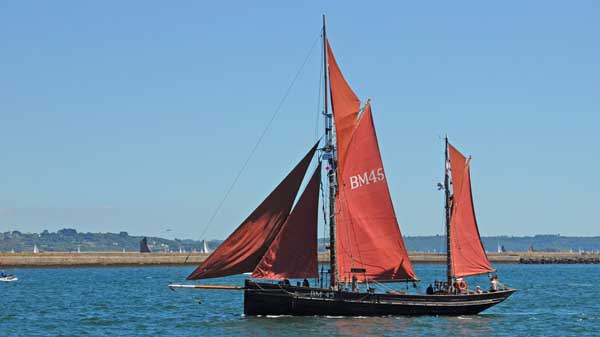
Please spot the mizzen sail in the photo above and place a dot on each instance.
(368, 236)
(244, 248)
(293, 253)
(467, 252)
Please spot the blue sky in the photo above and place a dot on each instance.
(137, 115)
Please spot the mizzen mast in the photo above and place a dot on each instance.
(449, 273)
(332, 163)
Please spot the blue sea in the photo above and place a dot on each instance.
(553, 300)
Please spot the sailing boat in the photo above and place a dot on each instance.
(204, 249)
(7, 277)
(278, 241)
(144, 246)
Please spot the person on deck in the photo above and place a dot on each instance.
(430, 290)
(478, 290)
(305, 283)
(2, 274)
(494, 283)
(354, 284)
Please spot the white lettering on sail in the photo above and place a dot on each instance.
(366, 178)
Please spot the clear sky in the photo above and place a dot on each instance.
(137, 115)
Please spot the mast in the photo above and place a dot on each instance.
(447, 191)
(331, 160)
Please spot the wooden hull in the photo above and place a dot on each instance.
(272, 299)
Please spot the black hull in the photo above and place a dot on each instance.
(272, 299)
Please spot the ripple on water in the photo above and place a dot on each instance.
(136, 302)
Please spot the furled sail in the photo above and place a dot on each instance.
(368, 236)
(345, 106)
(144, 246)
(467, 252)
(243, 249)
(293, 253)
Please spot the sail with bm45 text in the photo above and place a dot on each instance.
(277, 242)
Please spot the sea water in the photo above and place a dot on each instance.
(552, 300)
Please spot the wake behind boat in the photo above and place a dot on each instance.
(278, 241)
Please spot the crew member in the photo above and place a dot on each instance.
(494, 283)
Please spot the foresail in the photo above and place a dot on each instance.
(243, 249)
(293, 253)
(346, 106)
(368, 236)
(467, 252)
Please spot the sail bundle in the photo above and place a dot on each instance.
(467, 253)
(250, 246)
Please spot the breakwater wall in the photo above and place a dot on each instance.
(106, 259)
(519, 257)
(97, 259)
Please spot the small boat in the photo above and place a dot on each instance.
(278, 241)
(8, 278)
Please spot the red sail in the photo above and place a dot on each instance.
(293, 253)
(367, 230)
(345, 106)
(243, 249)
(468, 254)
(458, 164)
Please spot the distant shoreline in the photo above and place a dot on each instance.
(118, 259)
(70, 240)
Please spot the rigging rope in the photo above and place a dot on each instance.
(260, 138)
(321, 80)
(442, 244)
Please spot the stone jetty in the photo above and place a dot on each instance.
(106, 259)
